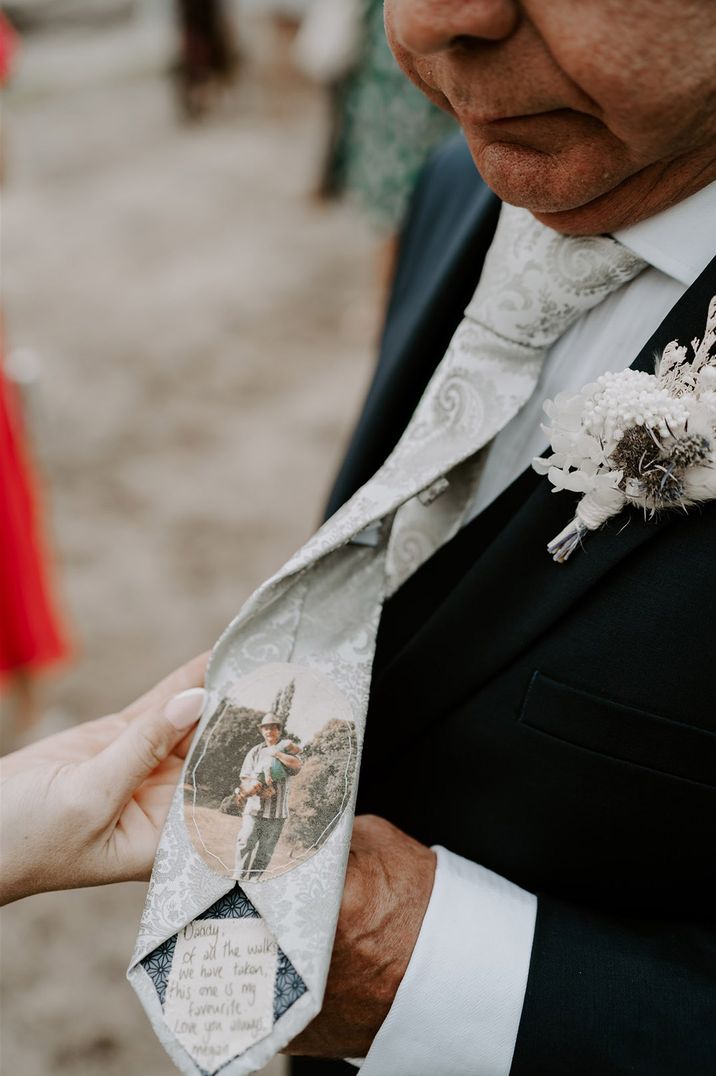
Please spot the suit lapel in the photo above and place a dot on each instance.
(514, 580)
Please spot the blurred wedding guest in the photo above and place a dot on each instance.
(8, 46)
(282, 20)
(86, 806)
(208, 58)
(384, 129)
(284, 14)
(31, 635)
(8, 52)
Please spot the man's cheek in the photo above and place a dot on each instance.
(410, 67)
(658, 130)
(406, 60)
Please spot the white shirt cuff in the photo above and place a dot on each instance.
(458, 1008)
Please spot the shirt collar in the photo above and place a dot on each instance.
(679, 241)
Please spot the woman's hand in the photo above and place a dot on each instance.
(87, 806)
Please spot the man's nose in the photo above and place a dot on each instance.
(424, 27)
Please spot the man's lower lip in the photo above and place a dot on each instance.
(488, 121)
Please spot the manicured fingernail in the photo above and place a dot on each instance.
(185, 708)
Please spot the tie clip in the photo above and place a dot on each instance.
(433, 491)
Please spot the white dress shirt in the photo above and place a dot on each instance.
(458, 1008)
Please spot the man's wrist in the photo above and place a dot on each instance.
(388, 884)
(458, 1007)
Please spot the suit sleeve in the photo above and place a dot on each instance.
(608, 995)
(491, 992)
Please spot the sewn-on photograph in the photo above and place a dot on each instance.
(271, 774)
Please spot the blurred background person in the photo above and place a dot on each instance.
(208, 60)
(31, 635)
(382, 127)
(283, 19)
(8, 48)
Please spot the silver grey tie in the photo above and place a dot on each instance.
(235, 942)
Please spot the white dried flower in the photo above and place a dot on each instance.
(636, 438)
(632, 398)
(706, 380)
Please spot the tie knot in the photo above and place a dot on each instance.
(536, 282)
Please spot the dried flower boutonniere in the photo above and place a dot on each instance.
(635, 438)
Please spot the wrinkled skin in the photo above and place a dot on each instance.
(593, 114)
(388, 886)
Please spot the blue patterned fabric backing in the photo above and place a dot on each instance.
(288, 987)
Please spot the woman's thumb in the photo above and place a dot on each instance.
(145, 743)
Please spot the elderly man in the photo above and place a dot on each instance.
(565, 924)
(266, 810)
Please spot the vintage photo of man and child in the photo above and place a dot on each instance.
(274, 770)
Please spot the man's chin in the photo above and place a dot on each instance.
(571, 193)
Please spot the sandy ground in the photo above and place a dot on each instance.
(205, 333)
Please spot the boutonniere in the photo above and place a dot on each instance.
(633, 438)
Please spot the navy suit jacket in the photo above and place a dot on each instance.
(584, 695)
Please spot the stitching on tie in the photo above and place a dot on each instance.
(539, 348)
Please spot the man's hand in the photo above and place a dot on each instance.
(388, 886)
(87, 806)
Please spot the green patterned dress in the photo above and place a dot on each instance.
(387, 129)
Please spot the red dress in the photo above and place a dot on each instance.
(8, 47)
(30, 635)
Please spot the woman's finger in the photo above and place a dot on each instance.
(186, 676)
(143, 745)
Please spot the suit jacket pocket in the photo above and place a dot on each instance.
(619, 732)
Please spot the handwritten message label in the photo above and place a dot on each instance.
(219, 998)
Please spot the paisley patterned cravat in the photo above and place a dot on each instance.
(235, 942)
